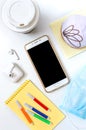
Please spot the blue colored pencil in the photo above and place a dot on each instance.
(36, 111)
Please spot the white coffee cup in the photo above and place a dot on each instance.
(20, 15)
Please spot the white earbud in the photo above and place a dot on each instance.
(13, 52)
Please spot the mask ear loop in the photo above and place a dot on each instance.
(74, 124)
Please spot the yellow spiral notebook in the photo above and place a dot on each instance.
(55, 115)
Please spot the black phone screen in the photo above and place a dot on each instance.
(46, 63)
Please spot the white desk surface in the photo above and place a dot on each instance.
(50, 10)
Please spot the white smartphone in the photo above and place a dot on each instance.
(48, 66)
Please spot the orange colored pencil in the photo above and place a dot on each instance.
(24, 112)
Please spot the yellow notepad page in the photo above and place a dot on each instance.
(56, 29)
(56, 116)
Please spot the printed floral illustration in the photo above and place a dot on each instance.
(73, 36)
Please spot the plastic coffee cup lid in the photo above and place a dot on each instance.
(20, 15)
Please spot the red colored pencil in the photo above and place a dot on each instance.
(38, 102)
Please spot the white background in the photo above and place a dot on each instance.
(50, 10)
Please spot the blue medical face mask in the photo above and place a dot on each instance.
(75, 97)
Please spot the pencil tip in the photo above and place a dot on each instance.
(28, 94)
(49, 110)
(18, 104)
(25, 104)
(51, 123)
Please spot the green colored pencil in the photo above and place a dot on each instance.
(39, 117)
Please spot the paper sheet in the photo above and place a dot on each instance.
(67, 51)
